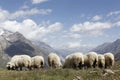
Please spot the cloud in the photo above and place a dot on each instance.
(23, 13)
(38, 1)
(5, 15)
(113, 13)
(73, 44)
(30, 29)
(91, 28)
(117, 24)
(74, 35)
(96, 18)
(76, 28)
(54, 27)
(88, 26)
(25, 6)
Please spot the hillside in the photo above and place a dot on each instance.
(62, 74)
(15, 43)
(113, 47)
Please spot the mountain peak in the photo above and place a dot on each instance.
(113, 47)
(15, 43)
(117, 41)
(5, 33)
(16, 36)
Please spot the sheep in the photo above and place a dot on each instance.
(54, 61)
(10, 66)
(37, 62)
(13, 63)
(101, 61)
(86, 62)
(68, 61)
(18, 62)
(26, 61)
(109, 60)
(78, 60)
(92, 59)
(74, 60)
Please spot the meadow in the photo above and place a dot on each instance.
(61, 74)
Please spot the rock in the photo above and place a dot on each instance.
(78, 78)
(107, 72)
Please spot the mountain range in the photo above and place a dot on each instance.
(15, 44)
(113, 47)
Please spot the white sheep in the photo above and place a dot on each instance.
(10, 66)
(101, 61)
(86, 62)
(13, 63)
(54, 61)
(26, 61)
(19, 61)
(74, 60)
(37, 62)
(92, 59)
(68, 61)
(78, 60)
(109, 60)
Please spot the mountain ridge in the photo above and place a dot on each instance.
(113, 47)
(16, 44)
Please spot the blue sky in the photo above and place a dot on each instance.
(63, 23)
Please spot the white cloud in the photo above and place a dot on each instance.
(76, 28)
(95, 33)
(30, 29)
(74, 35)
(91, 28)
(25, 6)
(113, 13)
(117, 24)
(88, 26)
(73, 44)
(23, 13)
(38, 1)
(96, 18)
(5, 15)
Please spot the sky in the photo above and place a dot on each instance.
(63, 23)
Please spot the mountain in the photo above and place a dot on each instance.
(113, 47)
(15, 43)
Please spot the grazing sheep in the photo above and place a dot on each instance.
(18, 62)
(13, 63)
(10, 66)
(68, 61)
(74, 60)
(37, 62)
(92, 59)
(101, 61)
(85, 61)
(78, 60)
(109, 60)
(26, 61)
(54, 61)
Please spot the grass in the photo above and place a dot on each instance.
(59, 74)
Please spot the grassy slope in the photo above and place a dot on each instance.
(59, 74)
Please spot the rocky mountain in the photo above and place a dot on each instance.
(113, 47)
(15, 43)
(44, 48)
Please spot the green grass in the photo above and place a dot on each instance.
(59, 74)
